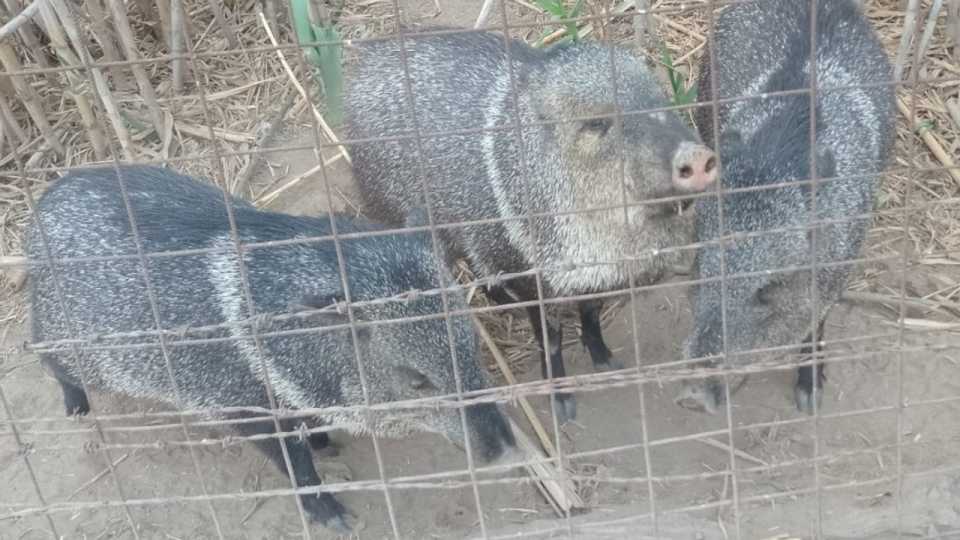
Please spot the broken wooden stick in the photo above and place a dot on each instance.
(559, 489)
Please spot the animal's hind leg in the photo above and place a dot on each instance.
(810, 379)
(592, 336)
(323, 508)
(74, 399)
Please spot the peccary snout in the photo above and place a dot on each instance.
(694, 167)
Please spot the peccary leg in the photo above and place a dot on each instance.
(323, 508)
(74, 399)
(592, 336)
(566, 403)
(810, 379)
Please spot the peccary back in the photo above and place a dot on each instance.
(561, 133)
(85, 215)
(764, 47)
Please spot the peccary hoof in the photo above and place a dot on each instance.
(566, 408)
(326, 510)
(612, 364)
(75, 401)
(804, 396)
(322, 445)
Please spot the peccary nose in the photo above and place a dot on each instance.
(694, 167)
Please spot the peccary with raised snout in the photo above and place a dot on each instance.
(764, 47)
(307, 366)
(582, 145)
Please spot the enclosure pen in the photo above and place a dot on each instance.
(421, 399)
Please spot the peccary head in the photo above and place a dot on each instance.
(406, 359)
(767, 291)
(598, 151)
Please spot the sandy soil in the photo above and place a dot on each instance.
(859, 448)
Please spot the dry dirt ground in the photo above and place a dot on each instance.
(857, 470)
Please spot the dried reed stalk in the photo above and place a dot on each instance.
(562, 491)
(76, 83)
(932, 143)
(122, 25)
(104, 37)
(178, 65)
(303, 93)
(99, 81)
(909, 27)
(19, 22)
(226, 26)
(28, 96)
(10, 121)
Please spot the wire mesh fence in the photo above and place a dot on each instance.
(236, 96)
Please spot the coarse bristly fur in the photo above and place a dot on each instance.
(765, 47)
(560, 163)
(84, 215)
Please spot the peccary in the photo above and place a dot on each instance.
(84, 215)
(764, 47)
(583, 143)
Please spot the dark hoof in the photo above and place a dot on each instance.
(612, 364)
(566, 408)
(804, 398)
(322, 445)
(75, 402)
(326, 510)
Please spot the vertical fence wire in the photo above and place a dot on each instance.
(410, 101)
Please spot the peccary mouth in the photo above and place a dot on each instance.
(670, 209)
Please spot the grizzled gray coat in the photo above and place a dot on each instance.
(569, 154)
(84, 215)
(764, 47)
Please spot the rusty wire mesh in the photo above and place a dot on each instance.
(101, 434)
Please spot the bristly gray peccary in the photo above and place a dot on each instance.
(763, 47)
(583, 145)
(83, 215)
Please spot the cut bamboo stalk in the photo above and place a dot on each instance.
(11, 121)
(99, 81)
(178, 64)
(104, 37)
(561, 489)
(226, 26)
(122, 25)
(67, 57)
(932, 143)
(28, 96)
(931, 24)
(909, 27)
(19, 19)
(163, 8)
(26, 32)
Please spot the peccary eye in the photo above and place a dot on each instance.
(765, 295)
(598, 125)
